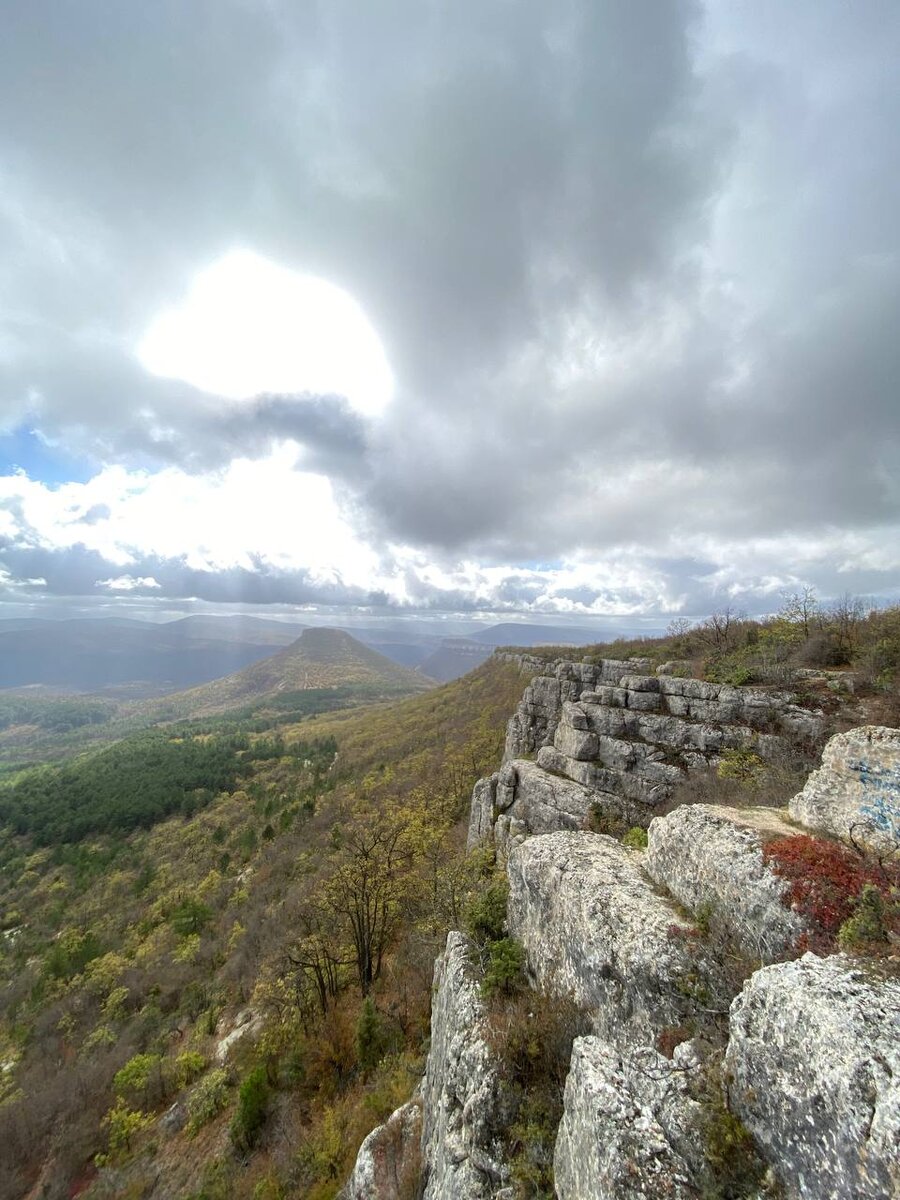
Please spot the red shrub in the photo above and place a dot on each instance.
(825, 880)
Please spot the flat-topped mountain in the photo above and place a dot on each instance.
(319, 658)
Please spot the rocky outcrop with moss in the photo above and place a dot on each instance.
(462, 1146)
(669, 1095)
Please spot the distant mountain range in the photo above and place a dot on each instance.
(92, 655)
(138, 659)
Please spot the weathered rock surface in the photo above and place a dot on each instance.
(856, 792)
(389, 1160)
(247, 1023)
(594, 929)
(814, 1063)
(482, 812)
(522, 800)
(173, 1119)
(535, 720)
(623, 1122)
(710, 859)
(463, 1111)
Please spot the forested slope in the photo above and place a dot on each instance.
(127, 955)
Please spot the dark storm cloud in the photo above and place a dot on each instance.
(636, 265)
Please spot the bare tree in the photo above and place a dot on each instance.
(800, 609)
(719, 629)
(847, 615)
(365, 891)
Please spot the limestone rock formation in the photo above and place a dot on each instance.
(855, 794)
(814, 1063)
(710, 859)
(535, 720)
(628, 736)
(593, 928)
(813, 1059)
(389, 1160)
(462, 1154)
(482, 812)
(522, 800)
(623, 1121)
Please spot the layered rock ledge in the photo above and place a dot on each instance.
(630, 738)
(522, 800)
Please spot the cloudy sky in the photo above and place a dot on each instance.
(578, 308)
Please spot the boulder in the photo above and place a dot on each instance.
(710, 858)
(247, 1023)
(463, 1112)
(593, 928)
(481, 812)
(389, 1160)
(527, 800)
(622, 1120)
(855, 794)
(813, 1061)
(173, 1119)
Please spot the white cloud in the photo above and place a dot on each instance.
(252, 512)
(128, 583)
(248, 326)
(268, 518)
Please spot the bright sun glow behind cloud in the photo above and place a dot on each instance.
(248, 326)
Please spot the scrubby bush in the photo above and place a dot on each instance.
(825, 880)
(532, 1033)
(485, 915)
(371, 1036)
(734, 669)
(253, 1105)
(742, 765)
(207, 1098)
(635, 838)
(187, 1067)
(504, 973)
(869, 929)
(123, 1125)
(141, 1079)
(603, 819)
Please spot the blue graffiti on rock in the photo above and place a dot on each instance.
(882, 786)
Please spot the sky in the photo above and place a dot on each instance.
(449, 306)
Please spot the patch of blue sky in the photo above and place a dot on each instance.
(541, 565)
(25, 450)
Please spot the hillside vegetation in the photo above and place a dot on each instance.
(307, 879)
(322, 670)
(222, 997)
